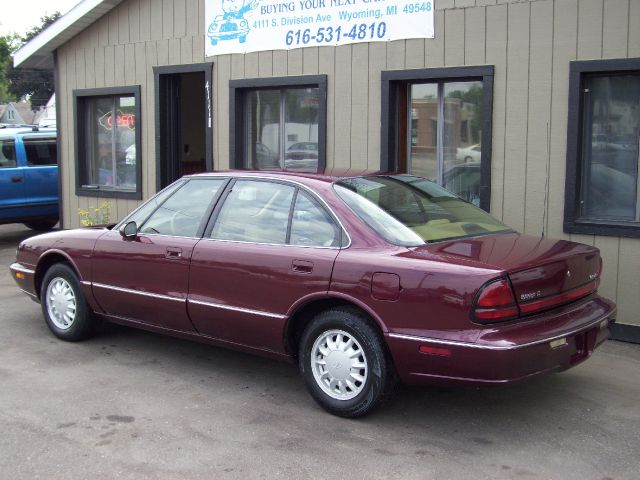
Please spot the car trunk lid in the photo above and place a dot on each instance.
(556, 283)
(544, 273)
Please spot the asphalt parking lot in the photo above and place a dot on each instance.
(136, 405)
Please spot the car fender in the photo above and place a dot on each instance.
(363, 306)
(308, 300)
(85, 285)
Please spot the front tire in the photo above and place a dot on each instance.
(345, 364)
(63, 305)
(41, 225)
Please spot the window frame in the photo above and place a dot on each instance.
(394, 81)
(579, 71)
(80, 97)
(237, 95)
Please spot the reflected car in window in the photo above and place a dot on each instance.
(302, 156)
(464, 181)
(472, 153)
(362, 281)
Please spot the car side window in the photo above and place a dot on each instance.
(311, 225)
(181, 214)
(255, 211)
(141, 214)
(40, 151)
(7, 153)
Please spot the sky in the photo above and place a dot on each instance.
(20, 15)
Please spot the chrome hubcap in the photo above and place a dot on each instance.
(61, 303)
(339, 364)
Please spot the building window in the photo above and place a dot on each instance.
(603, 149)
(436, 123)
(279, 123)
(108, 142)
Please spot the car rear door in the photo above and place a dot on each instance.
(40, 174)
(12, 190)
(270, 245)
(146, 278)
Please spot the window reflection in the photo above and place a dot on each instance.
(445, 134)
(263, 129)
(424, 131)
(282, 129)
(611, 131)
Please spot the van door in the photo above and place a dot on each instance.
(40, 174)
(12, 189)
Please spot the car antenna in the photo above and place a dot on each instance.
(545, 205)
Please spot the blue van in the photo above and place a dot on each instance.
(28, 177)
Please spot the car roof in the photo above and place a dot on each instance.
(330, 176)
(24, 129)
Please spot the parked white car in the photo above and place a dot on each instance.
(469, 154)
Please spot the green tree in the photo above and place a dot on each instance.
(38, 85)
(473, 96)
(7, 46)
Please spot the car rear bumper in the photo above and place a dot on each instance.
(550, 342)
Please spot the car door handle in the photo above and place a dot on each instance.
(173, 252)
(16, 179)
(302, 266)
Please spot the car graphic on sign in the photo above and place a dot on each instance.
(231, 24)
(221, 29)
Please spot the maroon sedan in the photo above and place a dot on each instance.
(361, 280)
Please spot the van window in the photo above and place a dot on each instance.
(41, 151)
(7, 153)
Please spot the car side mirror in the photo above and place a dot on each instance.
(129, 230)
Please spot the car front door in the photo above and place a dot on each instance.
(11, 181)
(269, 246)
(146, 278)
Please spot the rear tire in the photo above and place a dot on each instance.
(63, 305)
(345, 363)
(41, 225)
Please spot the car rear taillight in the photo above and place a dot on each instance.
(495, 302)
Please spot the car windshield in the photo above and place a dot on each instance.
(410, 211)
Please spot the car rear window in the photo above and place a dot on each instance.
(410, 211)
(40, 151)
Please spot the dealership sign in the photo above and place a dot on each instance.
(240, 26)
